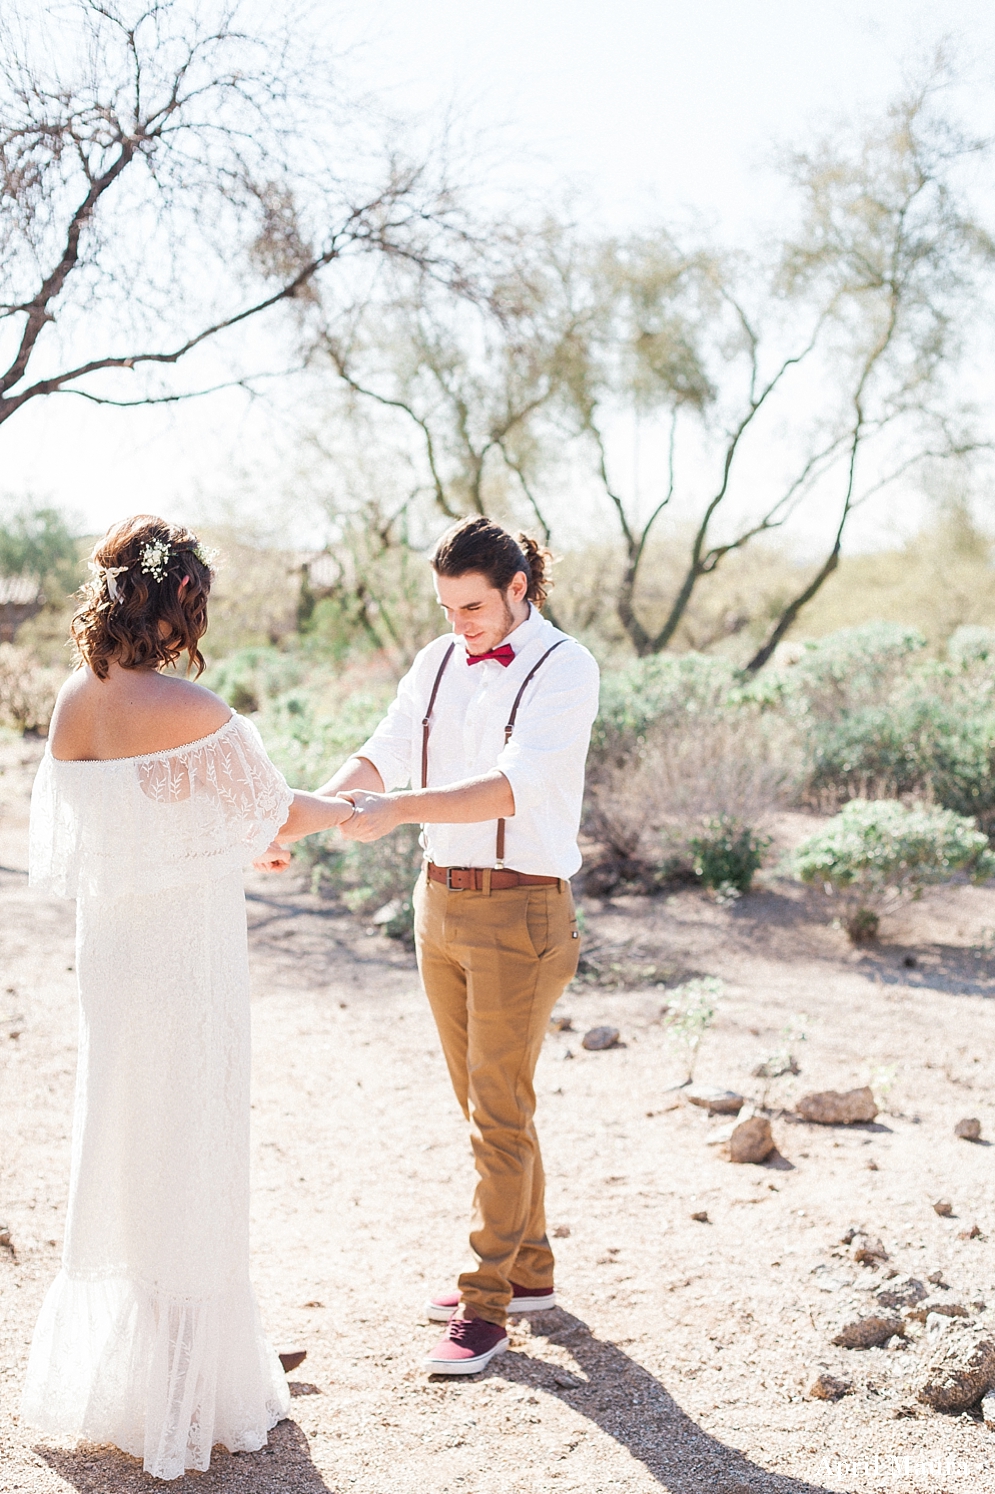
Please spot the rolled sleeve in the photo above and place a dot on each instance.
(544, 760)
(389, 748)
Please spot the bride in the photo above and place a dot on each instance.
(151, 798)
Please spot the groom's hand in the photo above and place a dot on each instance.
(275, 858)
(376, 815)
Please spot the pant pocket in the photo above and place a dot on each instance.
(537, 923)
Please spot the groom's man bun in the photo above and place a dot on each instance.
(145, 572)
(478, 544)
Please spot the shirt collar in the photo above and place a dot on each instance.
(521, 636)
(525, 632)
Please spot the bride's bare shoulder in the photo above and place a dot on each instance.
(194, 706)
(130, 713)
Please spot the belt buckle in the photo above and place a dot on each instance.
(449, 878)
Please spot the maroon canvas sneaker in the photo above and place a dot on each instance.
(468, 1346)
(441, 1307)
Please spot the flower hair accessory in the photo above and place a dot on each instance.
(154, 559)
(204, 553)
(109, 573)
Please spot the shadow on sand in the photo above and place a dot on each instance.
(284, 1466)
(625, 1401)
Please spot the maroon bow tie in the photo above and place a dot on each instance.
(503, 655)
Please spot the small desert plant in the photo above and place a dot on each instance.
(688, 1015)
(726, 854)
(783, 1060)
(874, 851)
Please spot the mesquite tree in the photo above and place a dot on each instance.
(803, 380)
(840, 355)
(168, 173)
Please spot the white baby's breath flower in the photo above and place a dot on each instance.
(154, 559)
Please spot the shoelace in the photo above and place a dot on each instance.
(461, 1328)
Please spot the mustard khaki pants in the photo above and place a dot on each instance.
(493, 967)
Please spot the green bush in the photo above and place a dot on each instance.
(877, 850)
(375, 879)
(876, 721)
(311, 718)
(27, 690)
(253, 677)
(680, 744)
(726, 855)
(971, 644)
(852, 669)
(663, 687)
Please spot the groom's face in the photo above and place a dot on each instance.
(478, 613)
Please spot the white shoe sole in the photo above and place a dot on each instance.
(463, 1366)
(437, 1314)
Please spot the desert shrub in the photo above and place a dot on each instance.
(851, 670)
(27, 690)
(39, 541)
(726, 855)
(926, 741)
(680, 746)
(878, 721)
(875, 851)
(664, 687)
(311, 718)
(971, 644)
(254, 677)
(375, 879)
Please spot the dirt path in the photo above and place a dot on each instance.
(682, 1354)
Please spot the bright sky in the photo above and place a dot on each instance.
(647, 106)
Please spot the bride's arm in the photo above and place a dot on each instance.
(310, 813)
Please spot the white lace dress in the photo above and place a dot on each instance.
(149, 1336)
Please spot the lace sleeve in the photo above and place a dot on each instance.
(141, 825)
(53, 838)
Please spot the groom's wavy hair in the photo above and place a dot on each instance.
(478, 544)
(139, 570)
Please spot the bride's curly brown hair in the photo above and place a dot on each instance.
(145, 572)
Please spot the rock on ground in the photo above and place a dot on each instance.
(867, 1333)
(599, 1038)
(828, 1388)
(922, 1310)
(830, 1107)
(718, 1101)
(959, 1371)
(868, 1250)
(901, 1291)
(752, 1140)
(968, 1129)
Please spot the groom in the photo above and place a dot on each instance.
(491, 727)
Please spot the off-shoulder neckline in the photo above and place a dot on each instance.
(141, 757)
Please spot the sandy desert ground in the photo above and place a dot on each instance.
(681, 1356)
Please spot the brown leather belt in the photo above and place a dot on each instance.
(471, 878)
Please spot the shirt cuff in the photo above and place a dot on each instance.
(394, 775)
(528, 794)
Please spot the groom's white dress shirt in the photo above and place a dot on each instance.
(543, 762)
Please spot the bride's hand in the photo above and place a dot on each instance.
(275, 858)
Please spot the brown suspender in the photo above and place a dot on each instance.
(499, 857)
(509, 728)
(428, 716)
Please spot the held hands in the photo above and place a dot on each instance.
(309, 813)
(275, 858)
(376, 815)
